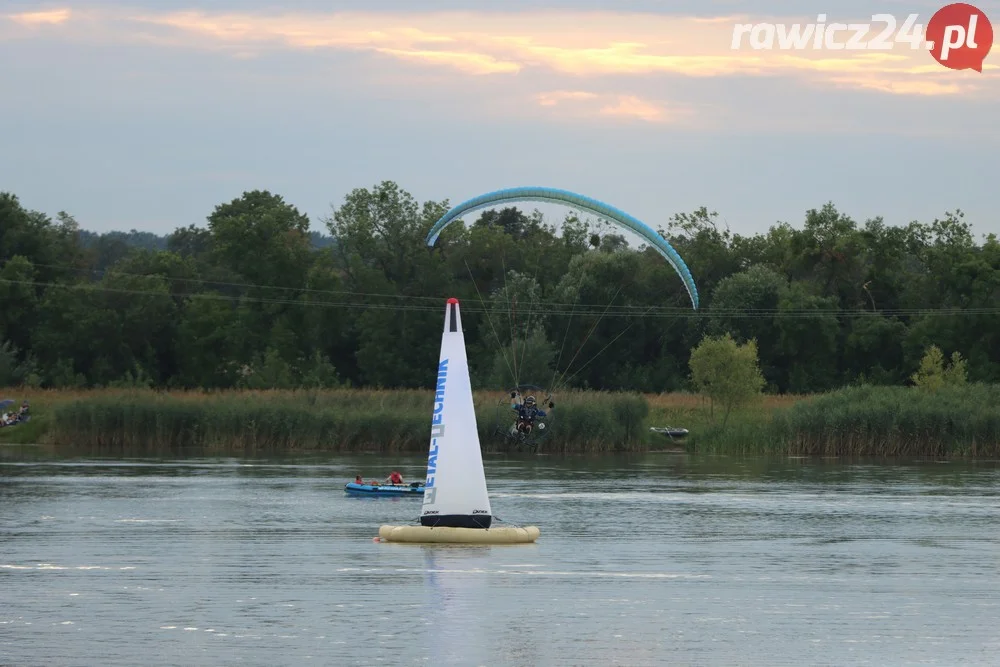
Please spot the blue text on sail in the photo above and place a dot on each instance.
(437, 430)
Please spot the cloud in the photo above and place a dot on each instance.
(472, 63)
(568, 45)
(581, 103)
(575, 43)
(631, 106)
(600, 42)
(912, 87)
(554, 97)
(346, 30)
(50, 17)
(727, 21)
(634, 58)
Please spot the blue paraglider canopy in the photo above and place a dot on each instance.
(555, 195)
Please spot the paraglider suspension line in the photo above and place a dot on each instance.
(555, 368)
(512, 316)
(589, 334)
(531, 309)
(606, 347)
(489, 319)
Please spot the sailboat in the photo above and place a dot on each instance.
(456, 505)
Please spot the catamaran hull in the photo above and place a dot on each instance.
(443, 535)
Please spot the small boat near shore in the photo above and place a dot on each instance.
(411, 489)
(669, 431)
(8, 419)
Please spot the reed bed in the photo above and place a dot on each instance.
(148, 422)
(895, 421)
(749, 430)
(871, 421)
(855, 421)
(682, 401)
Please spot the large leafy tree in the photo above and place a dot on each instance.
(256, 298)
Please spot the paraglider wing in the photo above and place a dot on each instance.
(556, 196)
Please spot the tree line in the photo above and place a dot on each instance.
(256, 299)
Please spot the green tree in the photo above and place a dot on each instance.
(711, 253)
(873, 349)
(383, 229)
(388, 270)
(956, 373)
(510, 220)
(827, 302)
(318, 373)
(14, 370)
(214, 343)
(269, 371)
(264, 241)
(263, 238)
(806, 350)
(930, 375)
(744, 304)
(19, 299)
(52, 247)
(726, 372)
(933, 374)
(531, 360)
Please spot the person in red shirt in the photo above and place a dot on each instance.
(394, 478)
(358, 480)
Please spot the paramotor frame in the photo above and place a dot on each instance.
(506, 418)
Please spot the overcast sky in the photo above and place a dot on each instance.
(148, 114)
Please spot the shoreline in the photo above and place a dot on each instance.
(884, 422)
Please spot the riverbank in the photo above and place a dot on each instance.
(867, 421)
(855, 421)
(126, 422)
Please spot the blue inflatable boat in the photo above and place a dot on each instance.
(411, 489)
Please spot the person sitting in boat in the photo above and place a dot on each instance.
(394, 478)
(526, 413)
(358, 480)
(12, 418)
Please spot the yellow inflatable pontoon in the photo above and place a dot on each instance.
(447, 535)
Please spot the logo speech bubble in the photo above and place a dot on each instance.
(960, 36)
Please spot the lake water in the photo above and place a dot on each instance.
(645, 560)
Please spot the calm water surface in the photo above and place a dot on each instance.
(658, 559)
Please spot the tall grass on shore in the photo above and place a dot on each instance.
(148, 422)
(896, 421)
(592, 422)
(870, 421)
(855, 421)
(749, 431)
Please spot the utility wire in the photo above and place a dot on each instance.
(541, 309)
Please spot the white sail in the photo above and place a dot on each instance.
(455, 494)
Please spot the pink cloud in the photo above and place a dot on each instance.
(48, 17)
(576, 43)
